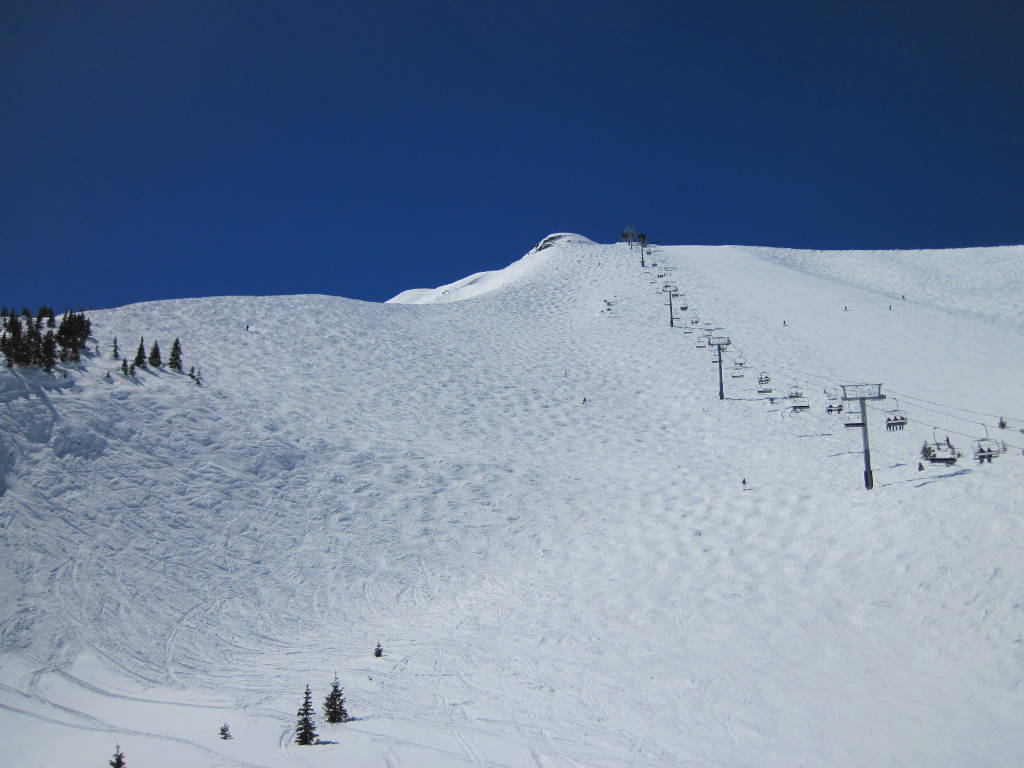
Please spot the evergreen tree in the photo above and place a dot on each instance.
(124, 366)
(118, 759)
(131, 369)
(140, 354)
(334, 704)
(378, 651)
(174, 361)
(34, 344)
(48, 353)
(154, 355)
(305, 729)
(117, 353)
(225, 731)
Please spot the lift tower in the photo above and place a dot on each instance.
(862, 393)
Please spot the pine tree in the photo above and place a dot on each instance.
(118, 759)
(225, 731)
(334, 704)
(305, 729)
(154, 355)
(927, 452)
(117, 353)
(140, 354)
(378, 651)
(174, 361)
(131, 369)
(48, 352)
(124, 366)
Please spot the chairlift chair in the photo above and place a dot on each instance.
(737, 369)
(834, 408)
(854, 418)
(764, 383)
(986, 448)
(799, 403)
(795, 391)
(941, 452)
(895, 419)
(702, 343)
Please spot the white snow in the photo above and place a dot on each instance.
(554, 584)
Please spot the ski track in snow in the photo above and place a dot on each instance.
(554, 583)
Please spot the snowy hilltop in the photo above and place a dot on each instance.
(524, 491)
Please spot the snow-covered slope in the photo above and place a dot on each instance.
(554, 584)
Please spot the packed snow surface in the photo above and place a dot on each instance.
(555, 583)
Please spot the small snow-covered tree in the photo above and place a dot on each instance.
(378, 651)
(117, 761)
(174, 361)
(154, 355)
(927, 452)
(334, 704)
(225, 731)
(305, 729)
(140, 354)
(117, 352)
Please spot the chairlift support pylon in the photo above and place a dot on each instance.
(862, 393)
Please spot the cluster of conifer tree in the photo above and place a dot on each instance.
(24, 341)
(334, 712)
(153, 360)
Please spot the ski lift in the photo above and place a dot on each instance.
(687, 329)
(834, 408)
(695, 320)
(797, 401)
(764, 383)
(853, 418)
(737, 369)
(831, 394)
(986, 448)
(683, 303)
(939, 452)
(702, 342)
(895, 419)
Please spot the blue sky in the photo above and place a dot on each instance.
(171, 149)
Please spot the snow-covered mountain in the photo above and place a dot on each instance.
(553, 583)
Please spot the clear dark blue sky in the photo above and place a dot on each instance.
(187, 148)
